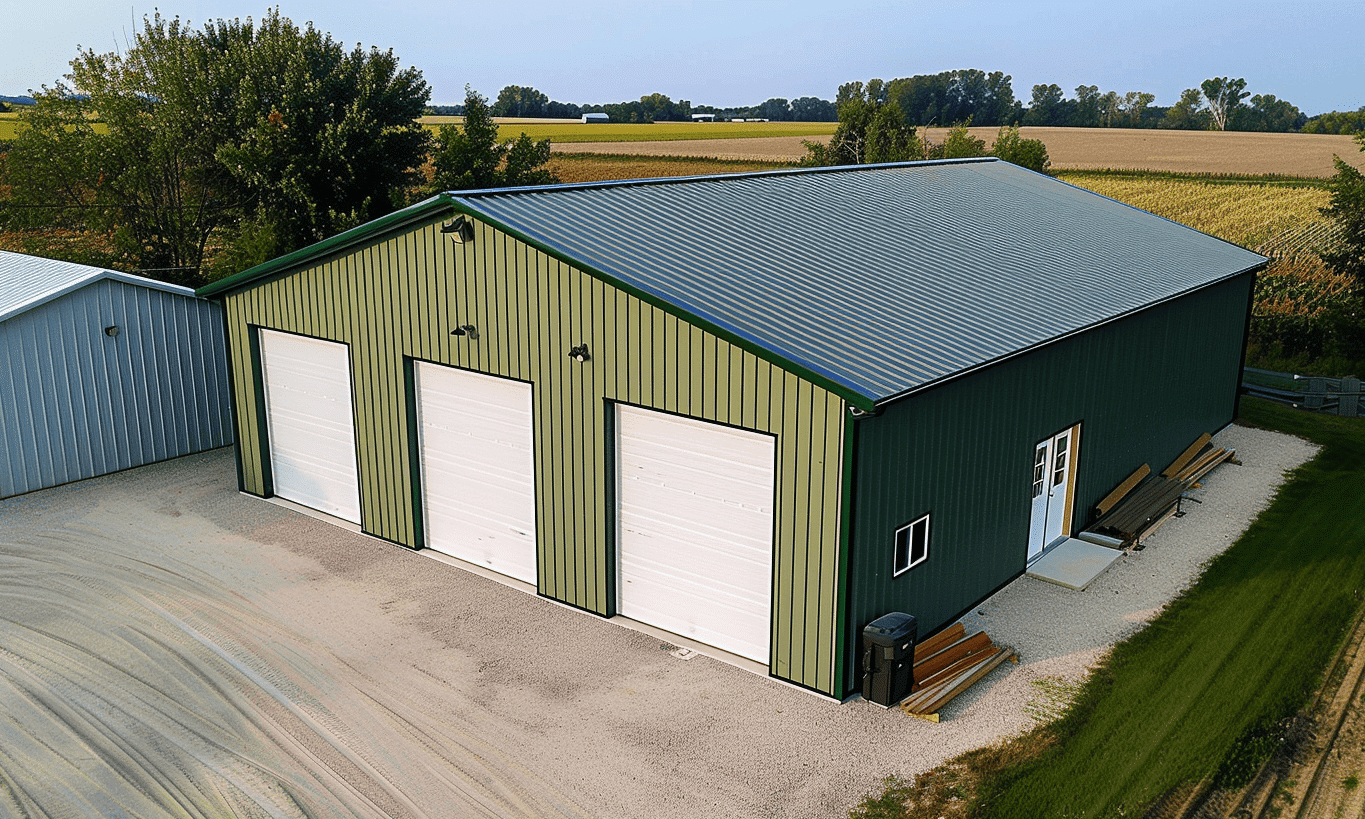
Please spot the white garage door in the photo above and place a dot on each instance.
(696, 529)
(478, 484)
(311, 428)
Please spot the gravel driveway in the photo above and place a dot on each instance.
(170, 647)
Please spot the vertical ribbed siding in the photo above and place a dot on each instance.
(75, 403)
(401, 297)
(1142, 389)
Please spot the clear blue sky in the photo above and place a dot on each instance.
(740, 53)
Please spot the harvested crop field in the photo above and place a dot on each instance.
(761, 149)
(604, 167)
(1305, 155)
(572, 130)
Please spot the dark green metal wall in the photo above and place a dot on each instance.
(1143, 389)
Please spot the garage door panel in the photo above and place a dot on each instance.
(476, 449)
(310, 422)
(695, 525)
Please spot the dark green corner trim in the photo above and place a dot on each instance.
(232, 399)
(419, 535)
(845, 543)
(609, 499)
(253, 334)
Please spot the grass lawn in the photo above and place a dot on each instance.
(1200, 691)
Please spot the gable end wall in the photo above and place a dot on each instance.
(397, 300)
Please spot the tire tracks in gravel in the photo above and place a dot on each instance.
(135, 684)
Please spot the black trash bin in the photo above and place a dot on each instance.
(889, 658)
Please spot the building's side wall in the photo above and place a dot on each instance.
(398, 300)
(1142, 388)
(75, 403)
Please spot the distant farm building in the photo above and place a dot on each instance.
(758, 410)
(595, 118)
(703, 117)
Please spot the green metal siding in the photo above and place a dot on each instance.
(397, 300)
(1142, 388)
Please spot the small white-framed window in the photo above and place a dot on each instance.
(911, 545)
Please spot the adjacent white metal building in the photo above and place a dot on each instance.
(102, 371)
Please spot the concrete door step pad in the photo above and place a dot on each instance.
(1073, 563)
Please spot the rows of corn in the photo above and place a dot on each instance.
(1303, 309)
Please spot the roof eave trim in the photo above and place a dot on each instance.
(824, 380)
(330, 246)
(953, 376)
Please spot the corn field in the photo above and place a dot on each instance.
(1303, 309)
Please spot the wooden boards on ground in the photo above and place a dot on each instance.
(948, 664)
(1141, 502)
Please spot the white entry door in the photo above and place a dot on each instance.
(1053, 490)
(695, 529)
(310, 423)
(476, 445)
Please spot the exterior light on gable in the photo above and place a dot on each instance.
(460, 229)
(579, 353)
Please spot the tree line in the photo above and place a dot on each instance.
(524, 101)
(977, 97)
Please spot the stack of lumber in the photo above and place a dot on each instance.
(946, 665)
(1142, 501)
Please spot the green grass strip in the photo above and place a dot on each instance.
(1200, 691)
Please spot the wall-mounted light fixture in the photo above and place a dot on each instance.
(466, 330)
(111, 330)
(460, 229)
(579, 353)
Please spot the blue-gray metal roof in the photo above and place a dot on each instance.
(881, 279)
(28, 281)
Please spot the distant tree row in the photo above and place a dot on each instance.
(1337, 122)
(976, 97)
(523, 101)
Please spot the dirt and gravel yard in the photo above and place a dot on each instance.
(170, 647)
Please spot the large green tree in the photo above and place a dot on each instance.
(252, 138)
(520, 101)
(1048, 107)
(1188, 114)
(1224, 97)
(871, 129)
(469, 156)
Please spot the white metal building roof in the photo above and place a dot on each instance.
(28, 281)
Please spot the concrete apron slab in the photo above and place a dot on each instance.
(1074, 563)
